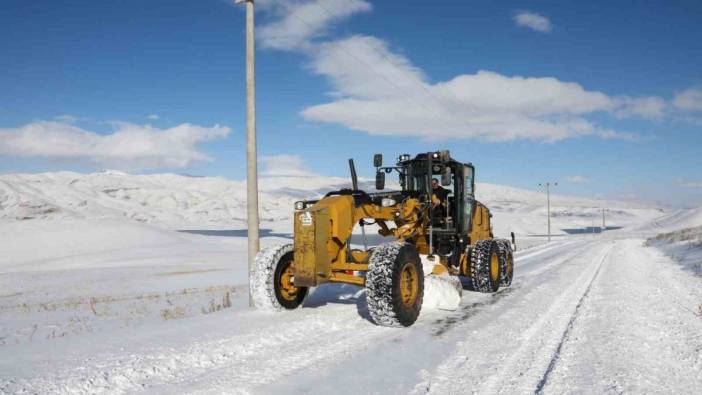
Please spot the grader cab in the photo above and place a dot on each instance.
(447, 225)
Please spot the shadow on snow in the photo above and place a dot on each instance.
(589, 229)
(339, 294)
(234, 233)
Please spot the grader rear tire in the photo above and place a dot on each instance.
(271, 281)
(506, 262)
(395, 284)
(485, 266)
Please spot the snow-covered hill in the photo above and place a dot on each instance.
(686, 218)
(165, 199)
(178, 202)
(684, 245)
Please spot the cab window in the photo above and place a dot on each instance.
(467, 198)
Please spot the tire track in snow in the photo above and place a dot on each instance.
(532, 252)
(533, 267)
(631, 335)
(452, 320)
(516, 359)
(552, 318)
(566, 332)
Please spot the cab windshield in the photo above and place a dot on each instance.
(416, 177)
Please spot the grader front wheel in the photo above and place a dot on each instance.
(395, 283)
(485, 266)
(272, 284)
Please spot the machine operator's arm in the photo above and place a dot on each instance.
(439, 196)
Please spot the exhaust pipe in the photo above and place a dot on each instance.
(354, 179)
(354, 184)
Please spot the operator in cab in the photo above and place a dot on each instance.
(440, 192)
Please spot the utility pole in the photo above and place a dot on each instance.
(251, 170)
(593, 227)
(603, 220)
(548, 205)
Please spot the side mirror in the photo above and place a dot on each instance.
(378, 160)
(380, 180)
(446, 176)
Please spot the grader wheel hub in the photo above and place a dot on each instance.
(409, 284)
(494, 267)
(288, 290)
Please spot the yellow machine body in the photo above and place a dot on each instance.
(323, 231)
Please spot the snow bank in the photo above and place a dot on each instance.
(38, 242)
(68, 277)
(687, 218)
(684, 246)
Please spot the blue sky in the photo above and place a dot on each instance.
(604, 97)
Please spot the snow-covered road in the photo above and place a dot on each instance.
(584, 315)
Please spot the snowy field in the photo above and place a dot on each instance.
(117, 283)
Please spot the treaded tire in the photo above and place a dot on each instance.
(506, 262)
(385, 301)
(267, 271)
(480, 260)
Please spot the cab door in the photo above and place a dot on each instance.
(481, 228)
(467, 198)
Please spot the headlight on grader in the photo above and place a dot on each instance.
(299, 205)
(387, 202)
(403, 158)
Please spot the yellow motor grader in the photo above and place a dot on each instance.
(446, 224)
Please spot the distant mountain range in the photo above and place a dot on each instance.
(178, 201)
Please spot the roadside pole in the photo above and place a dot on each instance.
(251, 169)
(548, 205)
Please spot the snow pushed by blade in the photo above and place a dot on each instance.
(442, 292)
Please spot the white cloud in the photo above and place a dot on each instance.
(302, 21)
(689, 100)
(129, 147)
(284, 165)
(378, 91)
(390, 96)
(153, 117)
(533, 21)
(577, 179)
(646, 107)
(363, 67)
